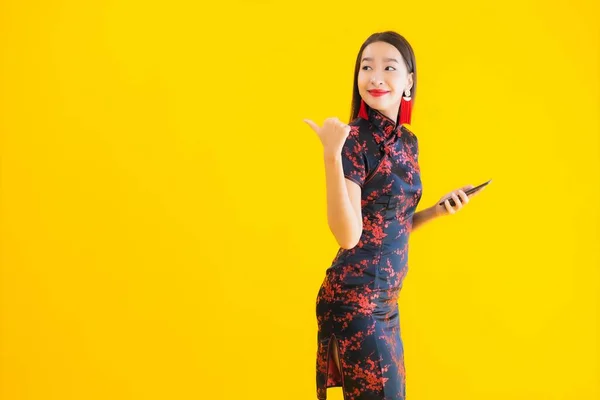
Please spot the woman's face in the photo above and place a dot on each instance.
(382, 68)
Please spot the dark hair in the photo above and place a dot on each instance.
(405, 49)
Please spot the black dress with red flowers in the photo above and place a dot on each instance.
(357, 304)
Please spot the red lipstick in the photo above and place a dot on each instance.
(378, 93)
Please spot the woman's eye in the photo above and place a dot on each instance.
(366, 66)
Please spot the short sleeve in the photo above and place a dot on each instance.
(354, 158)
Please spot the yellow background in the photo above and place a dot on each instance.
(164, 226)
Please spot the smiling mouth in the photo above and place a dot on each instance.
(377, 93)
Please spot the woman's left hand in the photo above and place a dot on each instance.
(460, 199)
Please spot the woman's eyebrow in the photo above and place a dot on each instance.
(385, 59)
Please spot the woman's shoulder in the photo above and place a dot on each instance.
(358, 121)
(408, 129)
(360, 138)
(359, 128)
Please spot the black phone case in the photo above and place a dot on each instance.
(468, 192)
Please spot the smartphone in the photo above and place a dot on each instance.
(467, 192)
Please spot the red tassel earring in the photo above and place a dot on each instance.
(405, 108)
(363, 110)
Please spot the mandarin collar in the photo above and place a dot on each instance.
(385, 126)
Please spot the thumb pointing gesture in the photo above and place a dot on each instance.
(314, 126)
(333, 134)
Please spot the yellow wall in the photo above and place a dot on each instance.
(163, 225)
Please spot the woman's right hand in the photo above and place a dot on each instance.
(332, 134)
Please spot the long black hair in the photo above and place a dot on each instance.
(405, 49)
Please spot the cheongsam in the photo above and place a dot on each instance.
(357, 303)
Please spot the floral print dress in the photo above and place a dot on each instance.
(357, 303)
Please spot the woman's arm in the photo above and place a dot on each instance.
(444, 209)
(344, 214)
(424, 216)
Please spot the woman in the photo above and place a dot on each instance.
(373, 188)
